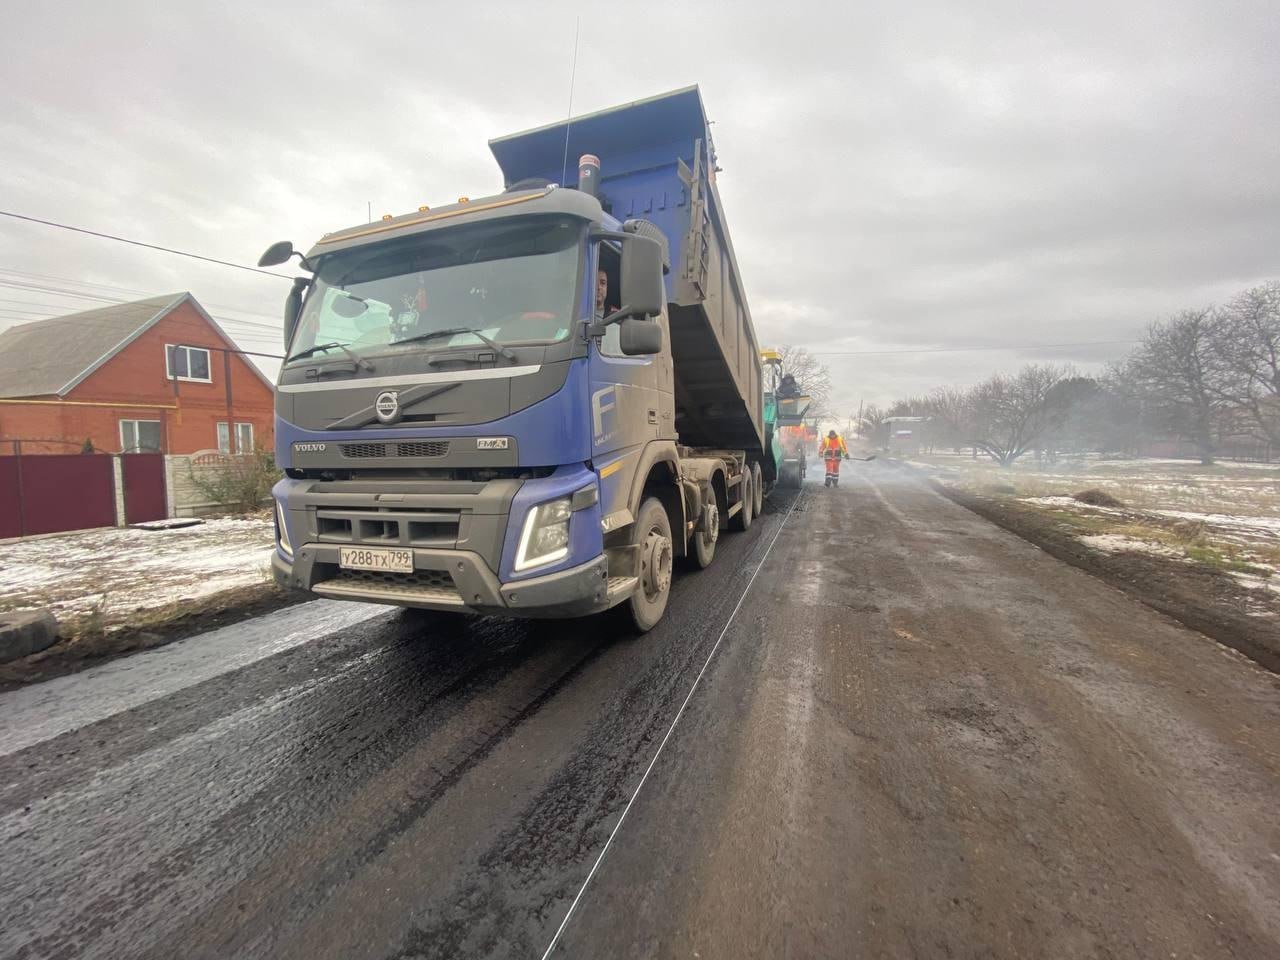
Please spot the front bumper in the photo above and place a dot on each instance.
(457, 580)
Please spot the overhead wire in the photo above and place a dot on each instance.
(140, 243)
(61, 310)
(46, 289)
(82, 295)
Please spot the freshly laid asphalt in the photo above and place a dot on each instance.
(901, 732)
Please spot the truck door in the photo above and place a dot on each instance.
(631, 400)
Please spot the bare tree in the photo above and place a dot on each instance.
(1181, 371)
(1008, 415)
(871, 424)
(811, 375)
(951, 411)
(1246, 341)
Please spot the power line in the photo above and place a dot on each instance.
(60, 310)
(63, 292)
(139, 243)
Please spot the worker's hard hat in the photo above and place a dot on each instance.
(831, 434)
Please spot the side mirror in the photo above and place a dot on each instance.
(643, 292)
(276, 254)
(293, 307)
(640, 338)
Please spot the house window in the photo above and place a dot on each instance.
(187, 363)
(139, 436)
(244, 437)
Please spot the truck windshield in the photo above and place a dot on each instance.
(511, 281)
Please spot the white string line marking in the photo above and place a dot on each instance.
(679, 713)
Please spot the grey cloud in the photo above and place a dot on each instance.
(918, 176)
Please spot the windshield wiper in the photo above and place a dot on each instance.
(504, 352)
(358, 360)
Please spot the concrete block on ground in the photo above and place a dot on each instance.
(26, 632)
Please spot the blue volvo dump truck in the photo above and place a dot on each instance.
(533, 404)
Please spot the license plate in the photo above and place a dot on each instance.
(375, 558)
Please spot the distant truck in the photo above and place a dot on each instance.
(531, 404)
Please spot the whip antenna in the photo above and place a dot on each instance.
(568, 119)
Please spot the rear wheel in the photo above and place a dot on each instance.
(703, 542)
(742, 519)
(652, 532)
(757, 488)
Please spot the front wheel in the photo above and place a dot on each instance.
(648, 601)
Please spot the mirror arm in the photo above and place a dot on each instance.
(615, 235)
(598, 327)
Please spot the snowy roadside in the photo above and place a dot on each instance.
(104, 580)
(1201, 544)
(1226, 515)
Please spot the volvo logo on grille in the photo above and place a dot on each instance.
(387, 407)
(309, 447)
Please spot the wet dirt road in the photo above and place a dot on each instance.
(918, 736)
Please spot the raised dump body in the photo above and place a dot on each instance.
(657, 164)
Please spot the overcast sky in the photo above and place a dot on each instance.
(918, 177)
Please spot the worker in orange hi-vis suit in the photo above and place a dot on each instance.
(832, 451)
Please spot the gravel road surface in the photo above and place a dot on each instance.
(913, 735)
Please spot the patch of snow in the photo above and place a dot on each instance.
(1270, 525)
(1255, 582)
(119, 570)
(1115, 543)
(1071, 502)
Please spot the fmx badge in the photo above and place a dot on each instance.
(602, 402)
(492, 443)
(387, 407)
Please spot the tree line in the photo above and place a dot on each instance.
(1205, 375)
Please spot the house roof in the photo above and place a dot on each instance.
(50, 357)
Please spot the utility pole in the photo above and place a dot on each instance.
(232, 442)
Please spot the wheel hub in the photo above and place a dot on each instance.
(711, 523)
(655, 562)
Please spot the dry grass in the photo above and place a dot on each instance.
(1156, 486)
(1122, 498)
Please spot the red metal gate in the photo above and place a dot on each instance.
(144, 487)
(49, 493)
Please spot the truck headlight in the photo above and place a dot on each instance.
(282, 531)
(545, 538)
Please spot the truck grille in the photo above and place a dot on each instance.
(422, 448)
(421, 579)
(428, 587)
(409, 448)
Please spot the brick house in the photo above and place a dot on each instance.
(144, 376)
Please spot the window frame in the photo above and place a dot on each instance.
(233, 436)
(134, 447)
(608, 344)
(170, 351)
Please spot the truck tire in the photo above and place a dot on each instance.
(647, 603)
(757, 488)
(702, 545)
(742, 519)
